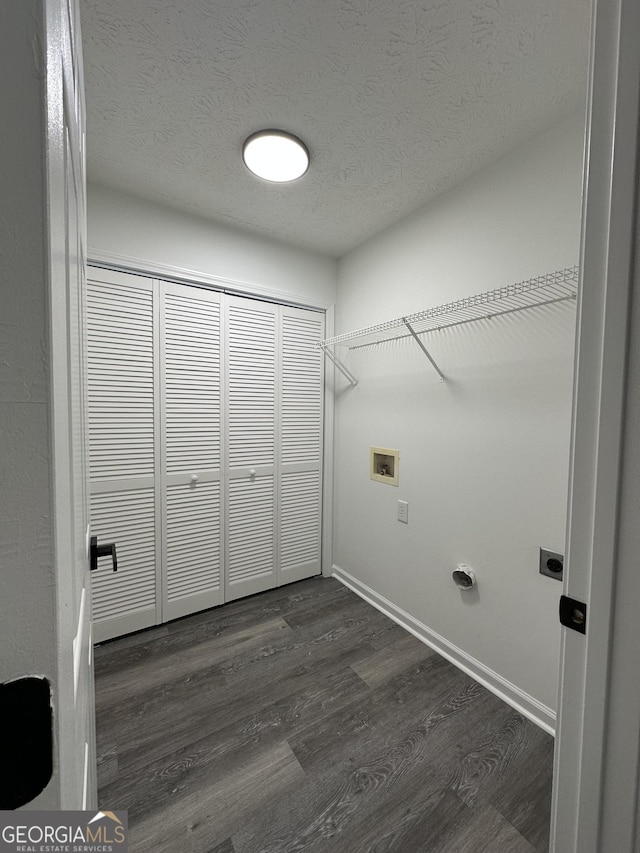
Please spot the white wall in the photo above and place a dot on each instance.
(28, 583)
(123, 225)
(484, 456)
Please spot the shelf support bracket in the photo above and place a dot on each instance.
(340, 366)
(423, 348)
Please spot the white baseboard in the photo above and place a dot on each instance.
(535, 711)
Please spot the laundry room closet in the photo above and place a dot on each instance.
(206, 446)
(483, 456)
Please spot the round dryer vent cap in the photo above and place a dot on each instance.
(463, 577)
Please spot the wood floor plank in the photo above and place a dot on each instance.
(419, 824)
(207, 817)
(524, 794)
(188, 631)
(349, 795)
(483, 831)
(509, 765)
(435, 822)
(183, 769)
(351, 733)
(209, 709)
(183, 662)
(391, 660)
(282, 601)
(483, 764)
(225, 847)
(303, 719)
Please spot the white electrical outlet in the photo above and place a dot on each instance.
(403, 512)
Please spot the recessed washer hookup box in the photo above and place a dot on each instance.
(383, 465)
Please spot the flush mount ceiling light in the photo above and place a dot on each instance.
(275, 156)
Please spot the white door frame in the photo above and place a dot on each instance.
(597, 750)
(595, 805)
(64, 149)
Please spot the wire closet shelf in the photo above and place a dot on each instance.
(547, 289)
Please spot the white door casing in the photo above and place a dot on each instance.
(65, 162)
(45, 606)
(598, 749)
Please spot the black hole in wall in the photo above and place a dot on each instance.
(26, 740)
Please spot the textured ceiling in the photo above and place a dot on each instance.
(397, 100)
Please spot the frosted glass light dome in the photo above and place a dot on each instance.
(275, 156)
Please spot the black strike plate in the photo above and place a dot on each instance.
(573, 614)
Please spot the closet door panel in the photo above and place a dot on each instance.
(302, 387)
(251, 544)
(300, 501)
(192, 553)
(122, 449)
(125, 601)
(252, 436)
(121, 379)
(191, 349)
(300, 457)
(191, 442)
(251, 359)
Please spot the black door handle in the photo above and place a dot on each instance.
(96, 551)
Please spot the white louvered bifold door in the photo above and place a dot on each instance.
(251, 427)
(122, 449)
(300, 446)
(205, 423)
(191, 441)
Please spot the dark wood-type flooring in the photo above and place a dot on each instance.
(303, 719)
